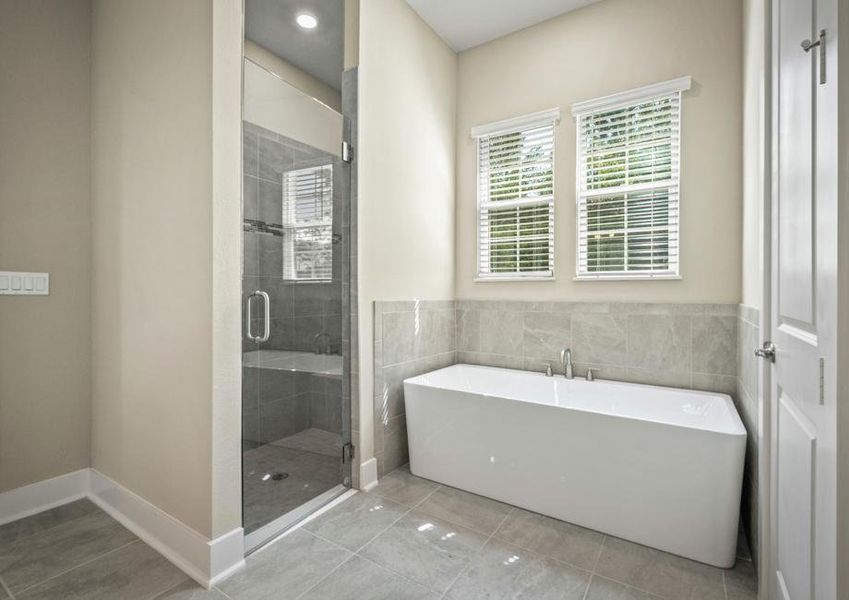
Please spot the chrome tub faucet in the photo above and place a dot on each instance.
(566, 362)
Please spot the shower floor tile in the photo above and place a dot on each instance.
(278, 479)
(313, 440)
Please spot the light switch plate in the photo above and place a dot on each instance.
(14, 283)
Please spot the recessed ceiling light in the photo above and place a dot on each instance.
(306, 21)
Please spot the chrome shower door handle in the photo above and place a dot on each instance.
(266, 333)
(266, 317)
(249, 318)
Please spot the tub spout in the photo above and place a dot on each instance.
(566, 362)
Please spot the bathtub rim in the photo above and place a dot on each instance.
(734, 416)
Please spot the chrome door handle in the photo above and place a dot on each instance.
(266, 317)
(767, 352)
(249, 319)
(266, 332)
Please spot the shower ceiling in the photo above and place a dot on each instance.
(464, 24)
(319, 51)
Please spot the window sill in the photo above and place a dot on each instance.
(627, 278)
(510, 279)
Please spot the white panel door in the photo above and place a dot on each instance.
(803, 316)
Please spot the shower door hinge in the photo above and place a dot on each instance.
(347, 152)
(348, 453)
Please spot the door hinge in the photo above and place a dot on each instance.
(348, 453)
(347, 152)
(822, 381)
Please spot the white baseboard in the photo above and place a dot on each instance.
(204, 560)
(368, 474)
(43, 495)
(226, 556)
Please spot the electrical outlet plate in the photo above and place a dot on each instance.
(14, 283)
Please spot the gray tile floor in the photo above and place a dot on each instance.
(75, 552)
(407, 539)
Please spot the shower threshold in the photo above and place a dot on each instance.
(271, 531)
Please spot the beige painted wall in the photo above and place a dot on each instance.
(407, 92)
(45, 363)
(604, 48)
(352, 34)
(754, 128)
(293, 75)
(152, 221)
(275, 104)
(227, 60)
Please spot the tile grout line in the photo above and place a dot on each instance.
(512, 509)
(54, 526)
(595, 565)
(83, 564)
(589, 585)
(627, 585)
(381, 532)
(593, 570)
(329, 573)
(222, 592)
(477, 552)
(357, 552)
(6, 588)
(393, 571)
(417, 359)
(600, 552)
(174, 587)
(635, 588)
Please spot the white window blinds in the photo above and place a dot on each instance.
(516, 197)
(629, 158)
(308, 223)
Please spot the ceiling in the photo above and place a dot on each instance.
(319, 52)
(464, 24)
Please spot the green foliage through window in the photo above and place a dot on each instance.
(516, 202)
(628, 170)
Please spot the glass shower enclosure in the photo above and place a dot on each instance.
(295, 425)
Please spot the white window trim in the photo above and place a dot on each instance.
(613, 102)
(528, 121)
(289, 230)
(512, 124)
(634, 96)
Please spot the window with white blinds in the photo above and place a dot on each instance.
(308, 223)
(515, 190)
(629, 161)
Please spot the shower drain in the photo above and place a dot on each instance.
(279, 476)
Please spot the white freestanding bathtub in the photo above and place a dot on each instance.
(658, 466)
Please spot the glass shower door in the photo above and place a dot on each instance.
(295, 423)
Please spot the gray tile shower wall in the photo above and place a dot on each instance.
(681, 345)
(748, 338)
(300, 310)
(275, 404)
(410, 338)
(278, 403)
